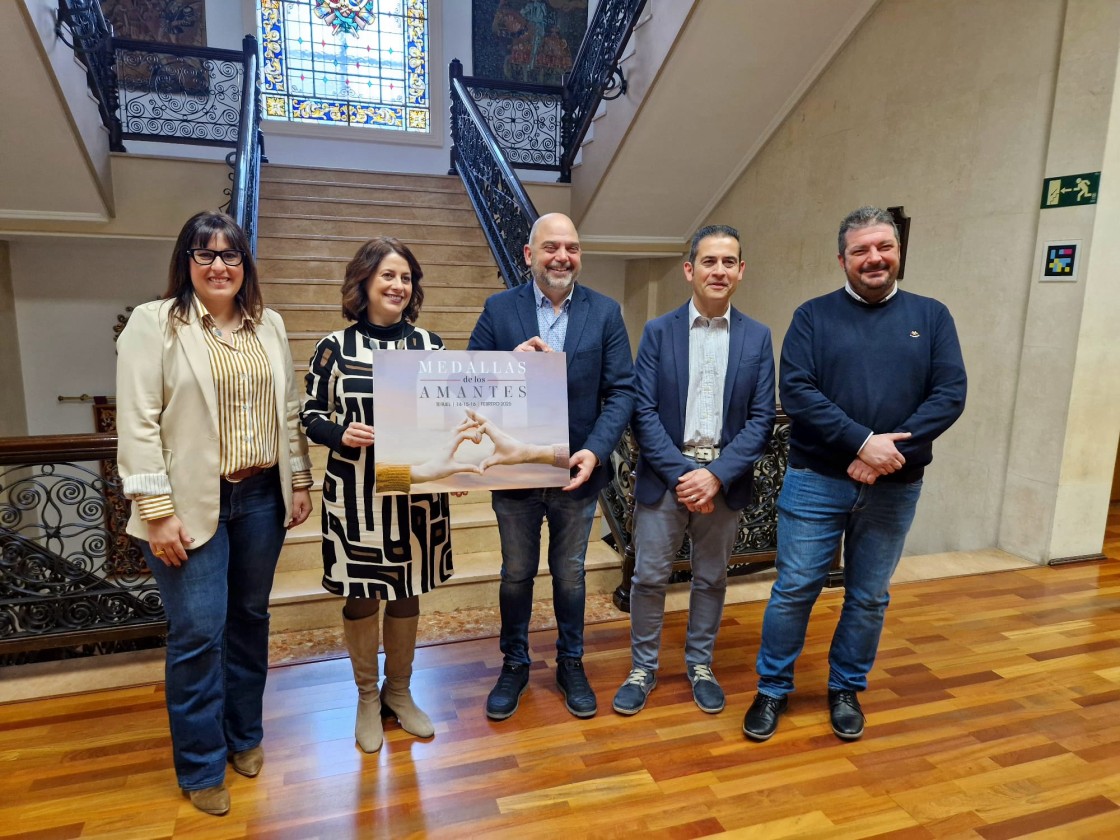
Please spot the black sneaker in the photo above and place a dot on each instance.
(505, 696)
(578, 696)
(761, 720)
(845, 714)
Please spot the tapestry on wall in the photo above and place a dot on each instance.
(163, 21)
(180, 22)
(527, 40)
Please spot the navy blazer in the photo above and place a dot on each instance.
(600, 370)
(748, 406)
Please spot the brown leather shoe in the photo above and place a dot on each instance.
(211, 800)
(249, 762)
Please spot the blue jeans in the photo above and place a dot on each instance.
(217, 630)
(814, 512)
(519, 526)
(659, 530)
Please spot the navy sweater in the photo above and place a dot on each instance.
(850, 369)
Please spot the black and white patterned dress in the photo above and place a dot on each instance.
(387, 547)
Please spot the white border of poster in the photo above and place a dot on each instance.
(470, 420)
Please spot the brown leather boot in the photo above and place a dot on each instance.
(361, 641)
(396, 696)
(248, 762)
(212, 800)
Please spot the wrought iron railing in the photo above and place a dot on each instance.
(246, 163)
(70, 577)
(91, 38)
(543, 126)
(500, 202)
(170, 93)
(177, 94)
(595, 72)
(497, 126)
(757, 540)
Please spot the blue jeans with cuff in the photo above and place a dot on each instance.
(217, 630)
(814, 512)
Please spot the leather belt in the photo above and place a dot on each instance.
(241, 475)
(701, 454)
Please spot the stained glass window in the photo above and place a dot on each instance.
(350, 62)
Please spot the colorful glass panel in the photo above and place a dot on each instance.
(349, 62)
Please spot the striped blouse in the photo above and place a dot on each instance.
(248, 431)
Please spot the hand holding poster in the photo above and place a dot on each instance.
(467, 420)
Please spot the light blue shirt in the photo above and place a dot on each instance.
(552, 325)
(709, 345)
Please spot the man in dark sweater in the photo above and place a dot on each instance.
(870, 376)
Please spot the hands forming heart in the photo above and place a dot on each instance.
(507, 450)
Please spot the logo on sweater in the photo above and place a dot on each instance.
(915, 334)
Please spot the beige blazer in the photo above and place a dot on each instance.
(167, 416)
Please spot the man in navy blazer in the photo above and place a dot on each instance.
(704, 415)
(551, 314)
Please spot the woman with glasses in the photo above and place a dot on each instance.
(377, 547)
(213, 459)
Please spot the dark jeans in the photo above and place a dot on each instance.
(519, 525)
(217, 630)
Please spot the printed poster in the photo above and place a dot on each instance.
(470, 420)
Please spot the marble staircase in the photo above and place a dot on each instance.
(311, 223)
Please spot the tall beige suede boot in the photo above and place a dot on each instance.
(396, 698)
(361, 641)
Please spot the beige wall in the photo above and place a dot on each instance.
(943, 108)
(1067, 417)
(70, 281)
(154, 196)
(13, 418)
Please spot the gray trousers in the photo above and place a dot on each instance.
(659, 530)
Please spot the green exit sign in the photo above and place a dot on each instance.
(1071, 190)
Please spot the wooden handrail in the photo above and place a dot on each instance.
(50, 449)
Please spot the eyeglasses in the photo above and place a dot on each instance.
(204, 256)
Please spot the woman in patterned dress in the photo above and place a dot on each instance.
(375, 547)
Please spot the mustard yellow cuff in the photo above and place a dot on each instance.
(393, 478)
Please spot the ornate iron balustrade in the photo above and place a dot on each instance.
(757, 539)
(175, 94)
(246, 163)
(91, 39)
(70, 577)
(595, 72)
(500, 202)
(170, 93)
(525, 120)
(543, 126)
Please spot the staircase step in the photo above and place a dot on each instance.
(302, 344)
(372, 205)
(308, 246)
(323, 318)
(280, 172)
(364, 227)
(281, 291)
(298, 187)
(445, 272)
(474, 529)
(299, 601)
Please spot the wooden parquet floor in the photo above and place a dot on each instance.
(993, 712)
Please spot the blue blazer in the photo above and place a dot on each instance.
(748, 406)
(600, 370)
